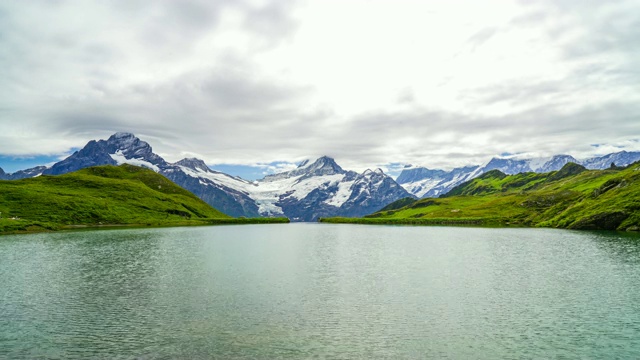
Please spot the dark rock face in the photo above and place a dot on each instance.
(100, 152)
(602, 221)
(232, 202)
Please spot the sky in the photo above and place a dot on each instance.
(257, 86)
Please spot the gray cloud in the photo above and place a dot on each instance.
(170, 72)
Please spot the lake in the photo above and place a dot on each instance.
(320, 290)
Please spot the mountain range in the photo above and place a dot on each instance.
(314, 189)
(427, 183)
(572, 197)
(319, 188)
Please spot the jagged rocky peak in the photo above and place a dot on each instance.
(326, 165)
(194, 163)
(556, 163)
(129, 144)
(121, 147)
(322, 166)
(1, 171)
(370, 172)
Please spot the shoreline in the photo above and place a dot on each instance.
(36, 227)
(471, 222)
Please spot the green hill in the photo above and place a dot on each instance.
(103, 196)
(572, 197)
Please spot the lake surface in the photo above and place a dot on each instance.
(320, 290)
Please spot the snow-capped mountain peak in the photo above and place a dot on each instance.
(194, 164)
(120, 148)
(322, 166)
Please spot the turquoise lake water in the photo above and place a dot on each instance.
(320, 291)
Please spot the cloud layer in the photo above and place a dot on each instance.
(437, 83)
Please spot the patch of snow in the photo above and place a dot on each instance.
(267, 193)
(120, 159)
(421, 187)
(304, 164)
(218, 178)
(342, 195)
(537, 163)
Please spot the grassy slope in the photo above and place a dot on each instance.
(569, 198)
(103, 195)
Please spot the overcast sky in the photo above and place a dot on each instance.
(371, 83)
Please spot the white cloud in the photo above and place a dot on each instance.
(439, 83)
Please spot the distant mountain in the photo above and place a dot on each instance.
(222, 191)
(423, 182)
(120, 148)
(555, 163)
(23, 174)
(572, 197)
(622, 158)
(314, 189)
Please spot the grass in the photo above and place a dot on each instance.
(103, 196)
(572, 197)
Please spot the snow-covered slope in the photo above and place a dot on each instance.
(423, 182)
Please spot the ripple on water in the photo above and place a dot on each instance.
(311, 290)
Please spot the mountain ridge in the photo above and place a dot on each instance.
(313, 189)
(573, 197)
(427, 183)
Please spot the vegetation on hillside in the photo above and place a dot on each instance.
(103, 196)
(572, 197)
